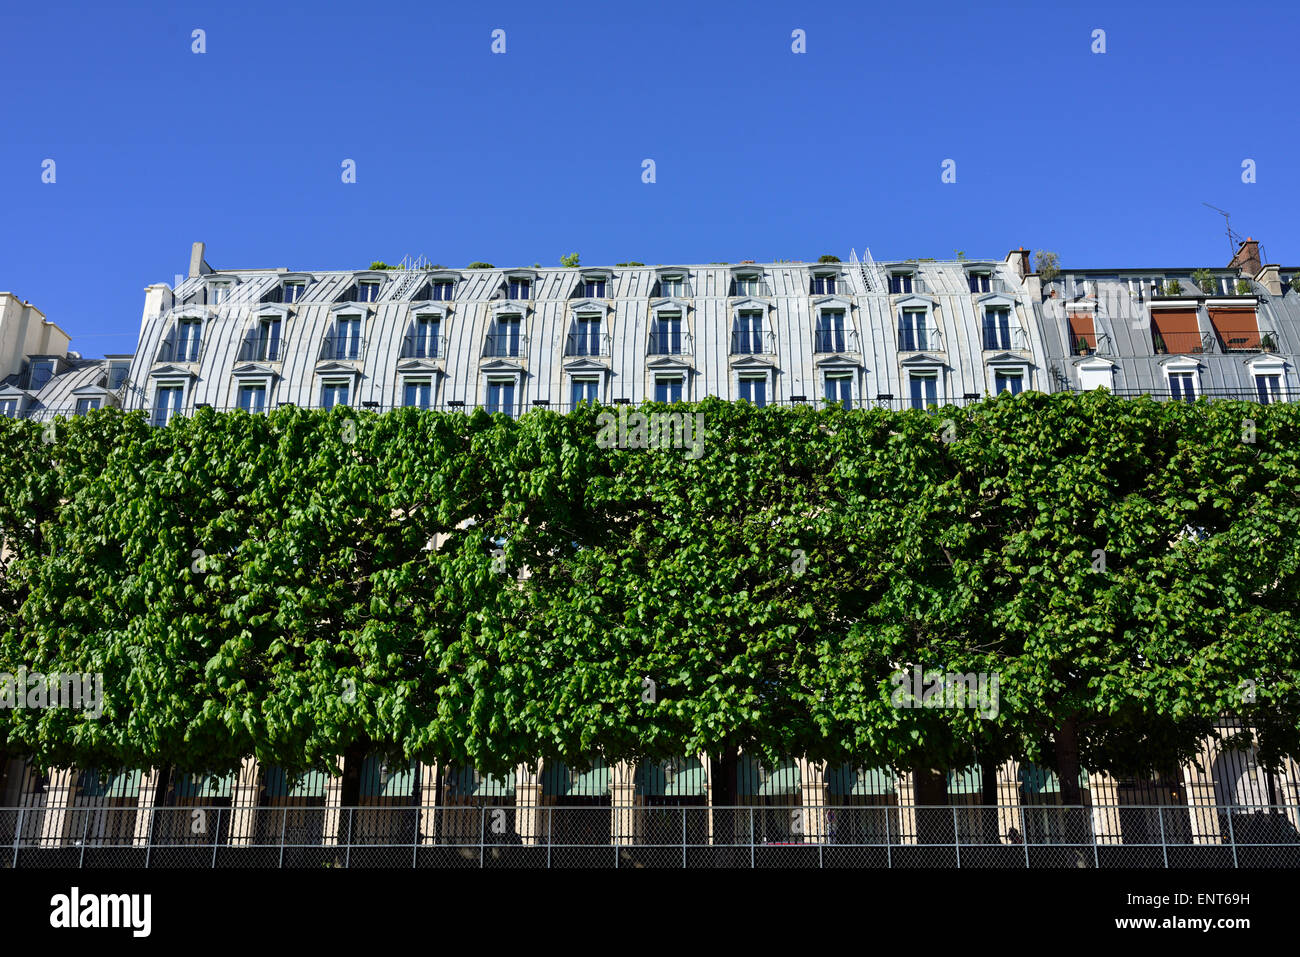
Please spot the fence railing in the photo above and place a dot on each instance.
(646, 834)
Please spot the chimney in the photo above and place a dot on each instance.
(1270, 277)
(197, 266)
(1247, 259)
(1019, 260)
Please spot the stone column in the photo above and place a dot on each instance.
(528, 805)
(144, 805)
(428, 802)
(1105, 811)
(707, 762)
(622, 788)
(58, 798)
(907, 808)
(245, 796)
(1008, 800)
(333, 812)
(813, 799)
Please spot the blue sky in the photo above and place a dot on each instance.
(522, 157)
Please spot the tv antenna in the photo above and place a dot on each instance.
(1234, 241)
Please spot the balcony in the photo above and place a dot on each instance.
(1180, 343)
(1240, 341)
(505, 345)
(919, 340)
(751, 343)
(187, 350)
(670, 343)
(587, 344)
(1089, 343)
(423, 347)
(1014, 340)
(342, 347)
(262, 349)
(835, 340)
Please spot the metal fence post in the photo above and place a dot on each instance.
(549, 836)
(889, 850)
(284, 822)
(482, 835)
(148, 846)
(347, 850)
(956, 836)
(85, 830)
(1024, 836)
(1164, 847)
(751, 838)
(18, 836)
(1232, 839)
(415, 839)
(216, 836)
(1092, 829)
(683, 837)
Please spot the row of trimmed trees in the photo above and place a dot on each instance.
(486, 591)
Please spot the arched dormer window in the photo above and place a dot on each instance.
(825, 280)
(672, 282)
(288, 288)
(981, 277)
(593, 284)
(440, 286)
(518, 285)
(904, 280)
(747, 280)
(366, 287)
(217, 288)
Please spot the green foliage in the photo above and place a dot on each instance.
(380, 264)
(479, 265)
(304, 583)
(1205, 280)
(1049, 264)
(1171, 287)
(1244, 287)
(828, 259)
(570, 260)
(629, 264)
(1295, 282)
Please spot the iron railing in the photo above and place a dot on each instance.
(672, 834)
(342, 347)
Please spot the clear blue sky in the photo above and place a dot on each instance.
(519, 158)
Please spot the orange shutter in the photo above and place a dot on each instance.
(1081, 327)
(1236, 328)
(1177, 329)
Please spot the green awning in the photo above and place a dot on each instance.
(467, 782)
(561, 781)
(1035, 779)
(384, 779)
(309, 785)
(966, 781)
(674, 777)
(204, 785)
(847, 781)
(759, 781)
(108, 784)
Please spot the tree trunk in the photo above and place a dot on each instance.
(1067, 762)
(354, 758)
(989, 796)
(934, 818)
(726, 764)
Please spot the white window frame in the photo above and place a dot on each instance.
(419, 380)
(328, 382)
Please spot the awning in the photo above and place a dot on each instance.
(850, 781)
(559, 780)
(108, 784)
(467, 782)
(759, 781)
(309, 785)
(674, 777)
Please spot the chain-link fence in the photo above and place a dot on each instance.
(648, 836)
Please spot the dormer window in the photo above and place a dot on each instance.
(666, 334)
(748, 284)
(747, 336)
(519, 288)
(505, 339)
(997, 328)
(189, 338)
(902, 283)
(117, 372)
(9, 408)
(980, 281)
(825, 284)
(41, 372)
(585, 338)
(442, 290)
(833, 331)
(913, 331)
(672, 285)
(293, 291)
(218, 292)
(345, 342)
(367, 291)
(423, 340)
(264, 343)
(592, 288)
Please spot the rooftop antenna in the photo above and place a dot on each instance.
(1234, 241)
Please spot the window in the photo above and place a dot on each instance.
(666, 334)
(1182, 386)
(749, 284)
(585, 340)
(839, 388)
(442, 290)
(418, 393)
(501, 396)
(753, 389)
(997, 328)
(86, 405)
(252, 398)
(266, 340)
(41, 373)
(189, 334)
(900, 282)
(672, 285)
(293, 291)
(584, 390)
(593, 288)
(668, 388)
(423, 341)
(912, 331)
(747, 339)
(333, 393)
(346, 343)
(980, 282)
(1011, 382)
(218, 293)
(1269, 388)
(504, 340)
(823, 285)
(367, 291)
(117, 374)
(166, 403)
(520, 289)
(925, 389)
(9, 408)
(832, 331)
